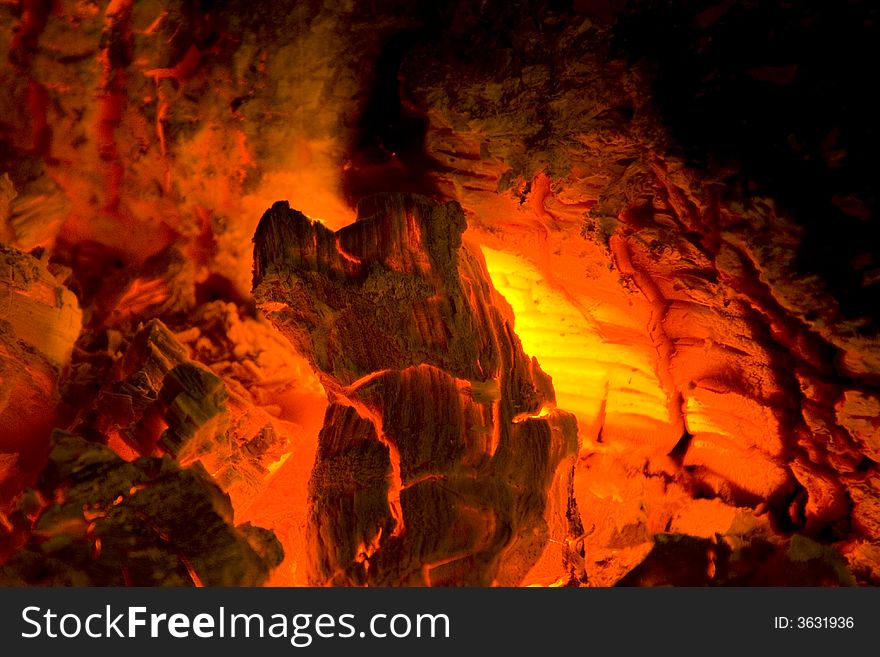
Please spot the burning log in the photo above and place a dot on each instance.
(159, 401)
(95, 519)
(443, 459)
(39, 322)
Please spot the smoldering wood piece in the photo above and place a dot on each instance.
(436, 403)
(753, 559)
(40, 320)
(194, 400)
(93, 519)
(41, 311)
(348, 490)
(154, 386)
(396, 287)
(161, 401)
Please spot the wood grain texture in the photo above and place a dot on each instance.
(443, 459)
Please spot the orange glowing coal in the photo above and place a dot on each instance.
(605, 380)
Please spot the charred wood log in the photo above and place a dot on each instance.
(159, 401)
(40, 320)
(443, 459)
(95, 519)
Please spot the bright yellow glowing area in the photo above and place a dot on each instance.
(602, 372)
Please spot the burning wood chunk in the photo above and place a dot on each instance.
(860, 414)
(749, 560)
(163, 402)
(194, 400)
(352, 476)
(39, 311)
(94, 519)
(443, 460)
(39, 323)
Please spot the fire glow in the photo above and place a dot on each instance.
(493, 328)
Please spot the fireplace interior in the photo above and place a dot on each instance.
(395, 293)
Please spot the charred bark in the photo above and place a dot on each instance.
(440, 425)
